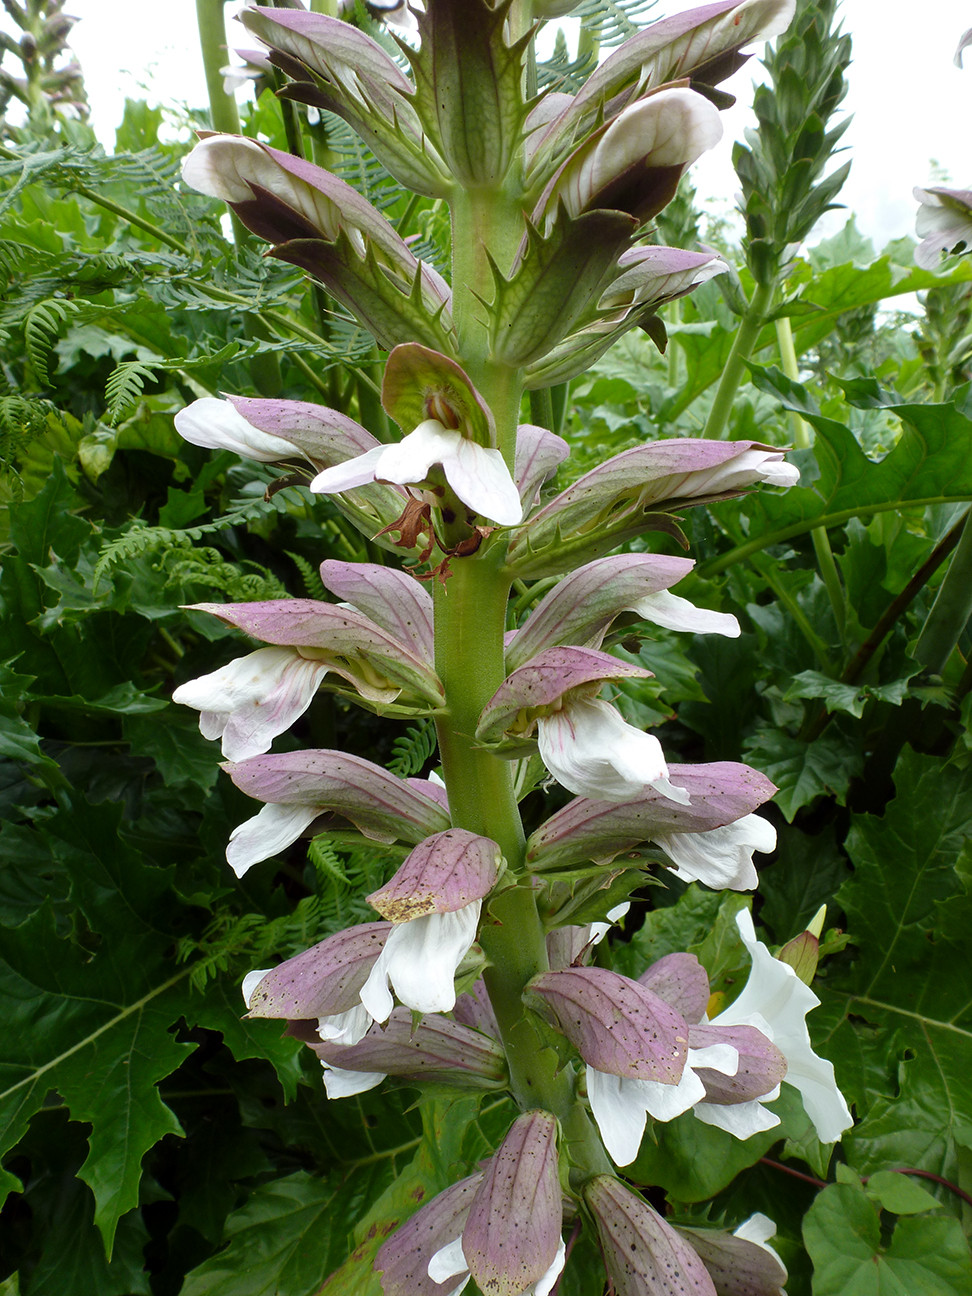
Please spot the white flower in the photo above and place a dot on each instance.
(675, 613)
(721, 857)
(593, 752)
(218, 425)
(346, 1084)
(776, 1002)
(276, 827)
(419, 961)
(943, 223)
(621, 1105)
(478, 475)
(450, 1262)
(252, 699)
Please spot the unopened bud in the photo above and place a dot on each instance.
(803, 951)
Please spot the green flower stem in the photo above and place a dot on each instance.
(742, 349)
(801, 439)
(470, 620)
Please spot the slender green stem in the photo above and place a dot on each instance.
(801, 438)
(223, 112)
(742, 349)
(950, 612)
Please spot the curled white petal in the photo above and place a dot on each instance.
(345, 1084)
(448, 1262)
(272, 830)
(419, 961)
(218, 425)
(252, 699)
(721, 857)
(675, 613)
(251, 981)
(345, 1028)
(593, 752)
(776, 1001)
(741, 1120)
(478, 475)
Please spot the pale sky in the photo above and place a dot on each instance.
(911, 105)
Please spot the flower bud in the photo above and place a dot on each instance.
(643, 1255)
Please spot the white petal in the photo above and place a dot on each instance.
(742, 1120)
(358, 471)
(598, 930)
(218, 425)
(345, 1028)
(721, 857)
(419, 961)
(777, 996)
(251, 981)
(481, 479)
(266, 834)
(620, 1112)
(758, 1229)
(666, 609)
(589, 748)
(345, 1084)
(545, 1284)
(408, 461)
(448, 1261)
(252, 699)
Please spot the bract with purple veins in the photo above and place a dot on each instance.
(540, 685)
(298, 787)
(702, 44)
(272, 431)
(512, 1237)
(586, 829)
(615, 1024)
(323, 982)
(317, 222)
(651, 276)
(339, 68)
(612, 502)
(436, 1051)
(633, 163)
(643, 1255)
(403, 1260)
(580, 608)
(760, 1070)
(740, 1263)
(943, 223)
(392, 598)
(444, 873)
(538, 455)
(682, 981)
(374, 662)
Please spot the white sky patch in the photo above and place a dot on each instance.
(910, 104)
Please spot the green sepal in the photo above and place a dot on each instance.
(469, 87)
(557, 279)
(421, 383)
(393, 308)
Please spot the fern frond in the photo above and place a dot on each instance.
(412, 750)
(612, 21)
(313, 585)
(41, 330)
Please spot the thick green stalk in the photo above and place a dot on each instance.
(470, 620)
(742, 349)
(801, 439)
